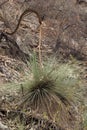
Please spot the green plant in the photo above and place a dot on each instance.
(52, 89)
(21, 127)
(84, 116)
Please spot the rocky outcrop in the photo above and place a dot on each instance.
(64, 26)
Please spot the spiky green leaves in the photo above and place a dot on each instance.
(52, 89)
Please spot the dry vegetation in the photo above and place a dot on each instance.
(43, 65)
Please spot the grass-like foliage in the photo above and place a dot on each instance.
(84, 116)
(52, 89)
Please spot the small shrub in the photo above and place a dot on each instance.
(52, 90)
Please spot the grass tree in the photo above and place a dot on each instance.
(52, 90)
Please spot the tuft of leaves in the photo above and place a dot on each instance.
(52, 89)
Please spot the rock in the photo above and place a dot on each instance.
(81, 1)
(61, 22)
(3, 127)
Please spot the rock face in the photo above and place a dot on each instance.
(64, 26)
